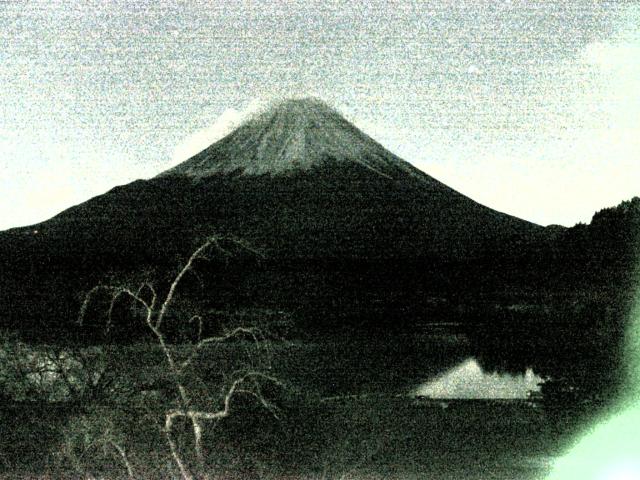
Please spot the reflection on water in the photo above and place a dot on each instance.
(469, 381)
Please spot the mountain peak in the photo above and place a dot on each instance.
(302, 108)
(294, 134)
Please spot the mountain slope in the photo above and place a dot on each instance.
(300, 184)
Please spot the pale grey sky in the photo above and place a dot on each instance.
(529, 107)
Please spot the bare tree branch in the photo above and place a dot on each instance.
(211, 340)
(243, 383)
(176, 281)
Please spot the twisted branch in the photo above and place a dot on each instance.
(246, 383)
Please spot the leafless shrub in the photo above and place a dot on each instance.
(181, 365)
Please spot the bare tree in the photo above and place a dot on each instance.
(51, 373)
(180, 360)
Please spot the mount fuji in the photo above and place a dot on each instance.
(330, 210)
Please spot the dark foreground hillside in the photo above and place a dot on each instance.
(373, 439)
